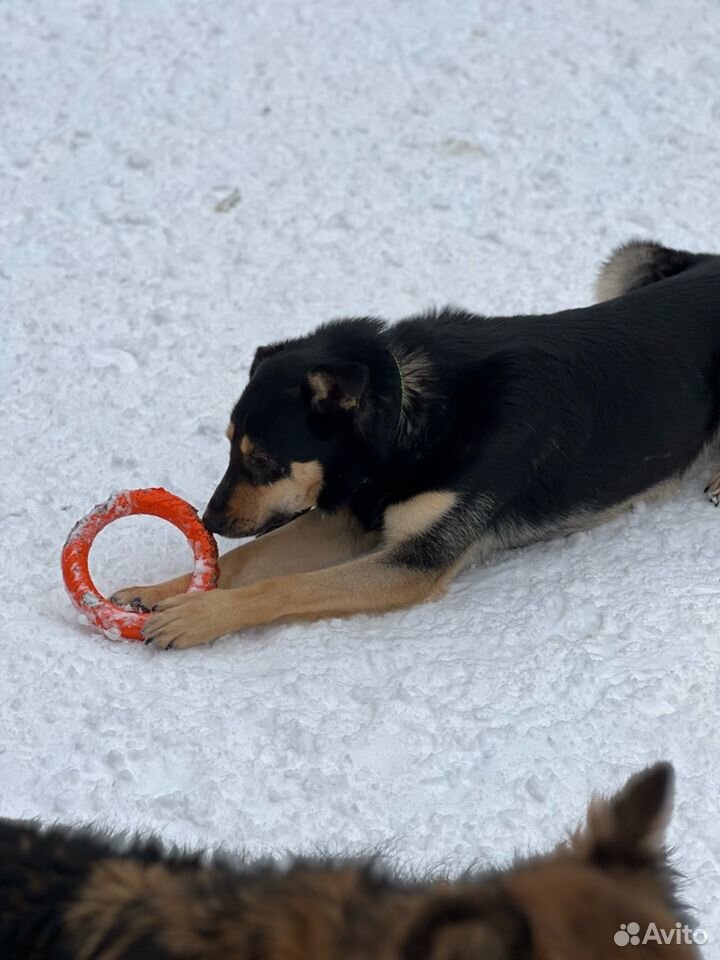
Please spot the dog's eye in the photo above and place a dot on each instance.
(259, 464)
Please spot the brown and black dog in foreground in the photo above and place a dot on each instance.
(386, 457)
(68, 895)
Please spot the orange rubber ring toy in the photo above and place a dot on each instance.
(114, 621)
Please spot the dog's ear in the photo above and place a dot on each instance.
(630, 826)
(262, 353)
(487, 926)
(337, 386)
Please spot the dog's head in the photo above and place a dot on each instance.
(608, 884)
(286, 432)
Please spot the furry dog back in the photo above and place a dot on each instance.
(67, 895)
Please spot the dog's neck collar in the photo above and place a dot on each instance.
(401, 380)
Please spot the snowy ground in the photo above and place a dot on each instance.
(372, 158)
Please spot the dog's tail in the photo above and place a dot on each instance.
(636, 264)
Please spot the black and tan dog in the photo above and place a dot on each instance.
(77, 896)
(447, 436)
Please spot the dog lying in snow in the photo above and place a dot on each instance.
(68, 895)
(377, 460)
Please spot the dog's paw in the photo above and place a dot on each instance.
(712, 490)
(135, 598)
(144, 599)
(187, 621)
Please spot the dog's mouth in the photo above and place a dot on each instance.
(278, 520)
(239, 529)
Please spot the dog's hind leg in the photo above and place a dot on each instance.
(713, 490)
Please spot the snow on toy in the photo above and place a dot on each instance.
(114, 621)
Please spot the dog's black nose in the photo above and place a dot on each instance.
(213, 521)
(215, 517)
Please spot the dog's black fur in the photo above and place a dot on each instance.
(539, 424)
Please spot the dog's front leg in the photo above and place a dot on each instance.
(310, 542)
(372, 583)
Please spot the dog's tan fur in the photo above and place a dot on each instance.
(252, 506)
(712, 490)
(627, 262)
(103, 903)
(417, 515)
(311, 568)
(321, 388)
(360, 585)
(310, 542)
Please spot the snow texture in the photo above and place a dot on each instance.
(181, 181)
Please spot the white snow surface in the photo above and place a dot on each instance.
(182, 181)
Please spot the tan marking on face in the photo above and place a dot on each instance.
(246, 445)
(253, 506)
(414, 516)
(572, 907)
(230, 432)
